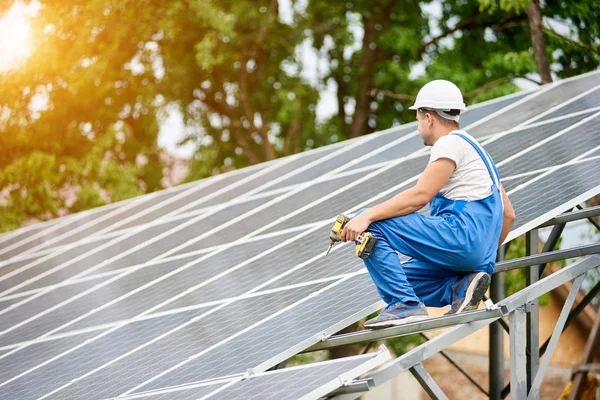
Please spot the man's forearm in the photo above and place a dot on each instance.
(402, 204)
(506, 226)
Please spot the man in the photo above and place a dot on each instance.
(453, 250)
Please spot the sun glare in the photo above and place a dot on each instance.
(14, 36)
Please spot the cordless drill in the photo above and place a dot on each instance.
(365, 242)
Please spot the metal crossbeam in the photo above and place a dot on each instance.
(451, 360)
(534, 391)
(504, 307)
(403, 330)
(427, 383)
(573, 216)
(543, 258)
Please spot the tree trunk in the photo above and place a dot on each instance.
(341, 90)
(534, 15)
(365, 77)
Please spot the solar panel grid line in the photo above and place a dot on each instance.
(158, 261)
(558, 210)
(204, 383)
(63, 284)
(558, 118)
(58, 249)
(97, 249)
(163, 277)
(371, 361)
(549, 111)
(537, 172)
(93, 214)
(113, 330)
(122, 211)
(160, 314)
(555, 94)
(228, 339)
(546, 140)
(301, 187)
(39, 234)
(537, 93)
(586, 103)
(190, 189)
(164, 234)
(193, 320)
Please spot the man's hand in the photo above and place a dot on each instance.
(355, 227)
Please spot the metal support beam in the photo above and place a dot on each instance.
(588, 355)
(503, 308)
(576, 311)
(427, 383)
(518, 371)
(591, 219)
(426, 350)
(550, 244)
(532, 318)
(496, 362)
(460, 369)
(573, 216)
(558, 255)
(403, 330)
(534, 392)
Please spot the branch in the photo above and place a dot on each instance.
(406, 97)
(264, 28)
(474, 93)
(461, 25)
(572, 41)
(495, 83)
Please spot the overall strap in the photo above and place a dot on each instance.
(492, 170)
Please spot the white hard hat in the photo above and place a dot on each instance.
(439, 95)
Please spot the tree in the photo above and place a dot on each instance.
(231, 68)
(81, 111)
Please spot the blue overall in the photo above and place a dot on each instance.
(458, 237)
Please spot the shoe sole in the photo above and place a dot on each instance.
(397, 322)
(475, 290)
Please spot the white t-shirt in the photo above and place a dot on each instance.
(471, 179)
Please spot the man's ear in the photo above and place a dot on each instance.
(430, 120)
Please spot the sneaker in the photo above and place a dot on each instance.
(468, 292)
(398, 314)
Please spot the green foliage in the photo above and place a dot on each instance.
(505, 5)
(44, 186)
(514, 280)
(79, 115)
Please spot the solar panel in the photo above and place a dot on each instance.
(588, 101)
(243, 283)
(312, 381)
